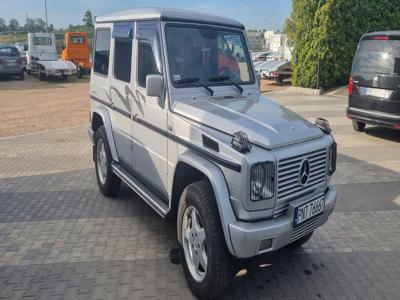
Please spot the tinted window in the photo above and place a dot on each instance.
(149, 57)
(42, 41)
(77, 40)
(376, 56)
(123, 59)
(8, 51)
(102, 51)
(207, 53)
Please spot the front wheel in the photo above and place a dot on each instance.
(358, 126)
(108, 182)
(207, 264)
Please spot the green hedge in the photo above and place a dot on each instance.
(328, 31)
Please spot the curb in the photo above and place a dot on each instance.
(302, 90)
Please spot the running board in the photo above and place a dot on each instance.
(141, 189)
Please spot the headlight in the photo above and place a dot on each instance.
(262, 177)
(332, 158)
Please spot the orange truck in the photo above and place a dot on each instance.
(77, 50)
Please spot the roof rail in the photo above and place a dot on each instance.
(374, 30)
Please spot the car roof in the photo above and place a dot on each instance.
(7, 45)
(387, 32)
(167, 14)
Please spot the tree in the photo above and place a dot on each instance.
(13, 25)
(40, 25)
(30, 25)
(3, 26)
(88, 19)
(327, 31)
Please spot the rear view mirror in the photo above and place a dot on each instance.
(154, 85)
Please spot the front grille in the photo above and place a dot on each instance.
(303, 229)
(289, 187)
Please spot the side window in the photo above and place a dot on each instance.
(149, 55)
(122, 34)
(102, 51)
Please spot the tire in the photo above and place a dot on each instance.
(279, 79)
(21, 76)
(301, 241)
(109, 183)
(41, 76)
(210, 281)
(28, 72)
(80, 73)
(65, 77)
(358, 126)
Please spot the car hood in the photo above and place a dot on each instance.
(265, 122)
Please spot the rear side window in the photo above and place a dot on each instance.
(149, 56)
(77, 40)
(9, 51)
(102, 51)
(123, 34)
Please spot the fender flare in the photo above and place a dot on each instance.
(220, 188)
(105, 116)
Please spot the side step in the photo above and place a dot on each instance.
(141, 189)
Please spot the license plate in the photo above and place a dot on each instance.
(306, 211)
(378, 93)
(11, 63)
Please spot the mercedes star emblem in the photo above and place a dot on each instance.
(304, 174)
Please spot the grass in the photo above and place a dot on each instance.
(13, 38)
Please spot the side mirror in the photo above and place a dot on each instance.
(154, 85)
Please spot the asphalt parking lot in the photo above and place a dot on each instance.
(60, 238)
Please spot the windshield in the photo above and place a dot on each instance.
(8, 51)
(376, 56)
(42, 41)
(204, 53)
(74, 39)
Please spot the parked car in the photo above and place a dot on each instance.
(275, 69)
(374, 93)
(77, 50)
(43, 59)
(22, 50)
(239, 174)
(11, 61)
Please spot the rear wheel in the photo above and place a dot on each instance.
(21, 75)
(358, 126)
(207, 264)
(41, 75)
(65, 77)
(80, 72)
(279, 79)
(108, 182)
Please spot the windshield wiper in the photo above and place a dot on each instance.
(195, 81)
(226, 78)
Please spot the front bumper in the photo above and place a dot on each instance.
(60, 72)
(246, 237)
(373, 117)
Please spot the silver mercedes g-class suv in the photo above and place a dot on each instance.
(177, 115)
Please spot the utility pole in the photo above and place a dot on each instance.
(45, 8)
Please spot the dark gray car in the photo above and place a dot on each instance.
(11, 61)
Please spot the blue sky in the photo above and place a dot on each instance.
(257, 14)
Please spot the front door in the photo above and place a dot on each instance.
(150, 115)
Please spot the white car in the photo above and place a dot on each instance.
(238, 173)
(43, 59)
